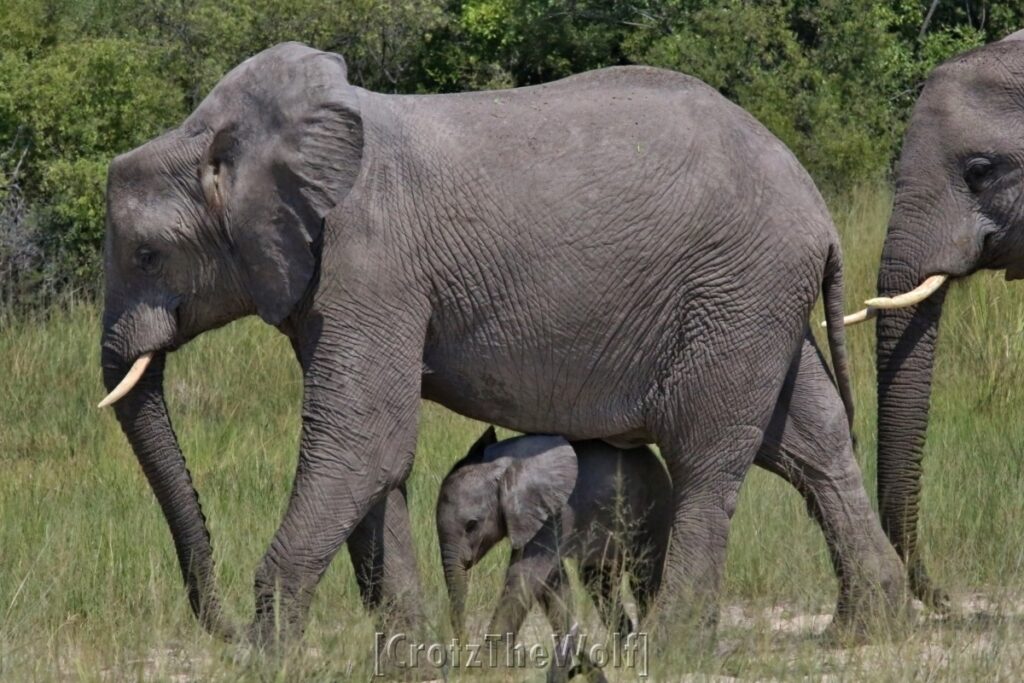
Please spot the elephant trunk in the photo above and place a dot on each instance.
(144, 418)
(906, 339)
(456, 576)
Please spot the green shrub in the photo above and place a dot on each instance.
(82, 80)
(76, 107)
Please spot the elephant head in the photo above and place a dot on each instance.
(508, 488)
(958, 208)
(215, 220)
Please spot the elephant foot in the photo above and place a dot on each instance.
(921, 586)
(570, 663)
(871, 608)
(214, 622)
(868, 628)
(403, 669)
(270, 638)
(683, 635)
(274, 631)
(252, 651)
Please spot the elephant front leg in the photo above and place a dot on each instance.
(360, 408)
(383, 557)
(555, 597)
(533, 574)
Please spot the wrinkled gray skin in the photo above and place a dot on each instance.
(623, 254)
(959, 207)
(607, 508)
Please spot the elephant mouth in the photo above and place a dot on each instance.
(141, 363)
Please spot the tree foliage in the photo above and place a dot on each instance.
(83, 80)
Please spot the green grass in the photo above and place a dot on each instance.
(90, 589)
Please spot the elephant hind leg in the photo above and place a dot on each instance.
(808, 444)
(871, 582)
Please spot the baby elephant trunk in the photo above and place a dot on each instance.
(456, 576)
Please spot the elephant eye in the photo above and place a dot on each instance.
(471, 526)
(148, 260)
(978, 174)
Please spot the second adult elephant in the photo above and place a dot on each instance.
(959, 207)
(623, 255)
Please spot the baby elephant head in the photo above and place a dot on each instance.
(499, 488)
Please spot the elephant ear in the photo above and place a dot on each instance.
(479, 448)
(536, 485)
(476, 452)
(286, 149)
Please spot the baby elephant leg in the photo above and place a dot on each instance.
(534, 573)
(555, 598)
(808, 443)
(571, 661)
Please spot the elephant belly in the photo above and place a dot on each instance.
(536, 398)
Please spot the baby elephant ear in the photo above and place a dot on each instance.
(287, 148)
(536, 485)
(488, 438)
(476, 452)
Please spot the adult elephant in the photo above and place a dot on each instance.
(622, 255)
(958, 208)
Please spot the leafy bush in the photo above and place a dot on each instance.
(20, 256)
(75, 107)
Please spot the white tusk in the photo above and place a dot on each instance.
(136, 372)
(858, 317)
(914, 296)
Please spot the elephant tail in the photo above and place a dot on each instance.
(832, 294)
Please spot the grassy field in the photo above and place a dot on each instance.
(90, 589)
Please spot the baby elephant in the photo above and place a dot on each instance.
(607, 508)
